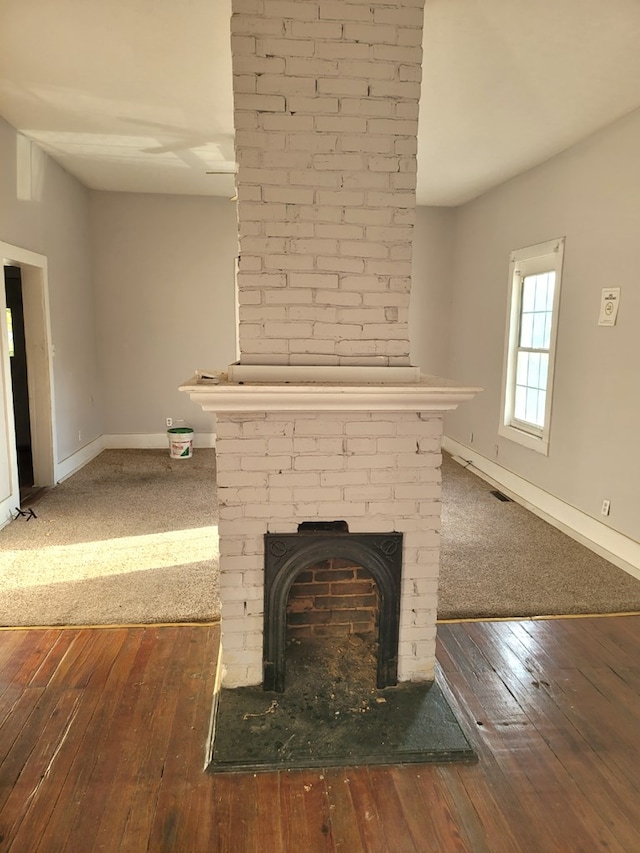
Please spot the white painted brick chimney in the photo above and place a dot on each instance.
(326, 109)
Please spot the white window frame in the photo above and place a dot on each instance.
(542, 257)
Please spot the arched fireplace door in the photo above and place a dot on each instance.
(288, 554)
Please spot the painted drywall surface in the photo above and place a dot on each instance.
(53, 222)
(430, 307)
(590, 194)
(78, 397)
(164, 272)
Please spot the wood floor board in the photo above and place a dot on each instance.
(268, 819)
(473, 815)
(533, 653)
(563, 759)
(83, 775)
(375, 789)
(263, 825)
(39, 761)
(462, 648)
(393, 808)
(34, 728)
(445, 660)
(242, 813)
(304, 811)
(583, 704)
(571, 749)
(568, 642)
(138, 750)
(107, 792)
(624, 649)
(46, 771)
(566, 805)
(590, 782)
(17, 668)
(183, 801)
(102, 739)
(11, 725)
(48, 653)
(217, 828)
(616, 745)
(15, 644)
(345, 831)
(506, 654)
(509, 738)
(484, 819)
(95, 659)
(150, 758)
(426, 809)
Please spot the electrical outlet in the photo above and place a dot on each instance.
(606, 506)
(169, 422)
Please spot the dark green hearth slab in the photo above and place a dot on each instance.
(257, 730)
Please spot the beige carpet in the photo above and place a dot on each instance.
(498, 559)
(132, 537)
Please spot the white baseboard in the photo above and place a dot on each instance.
(153, 440)
(598, 537)
(78, 459)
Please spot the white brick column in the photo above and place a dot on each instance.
(378, 472)
(326, 108)
(324, 419)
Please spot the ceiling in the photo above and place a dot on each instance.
(136, 96)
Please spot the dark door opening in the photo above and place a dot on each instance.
(19, 377)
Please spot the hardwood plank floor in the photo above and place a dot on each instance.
(102, 738)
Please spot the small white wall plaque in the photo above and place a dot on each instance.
(609, 306)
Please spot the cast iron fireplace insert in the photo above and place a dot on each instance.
(287, 554)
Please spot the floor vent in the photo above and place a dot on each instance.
(501, 497)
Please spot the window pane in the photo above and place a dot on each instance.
(550, 291)
(541, 292)
(538, 330)
(526, 330)
(534, 370)
(528, 293)
(522, 368)
(531, 407)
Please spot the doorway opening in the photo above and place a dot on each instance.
(19, 379)
(26, 380)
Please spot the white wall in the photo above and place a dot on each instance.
(431, 285)
(54, 223)
(591, 195)
(164, 272)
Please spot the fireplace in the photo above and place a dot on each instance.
(367, 453)
(286, 555)
(324, 417)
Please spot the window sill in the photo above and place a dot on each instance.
(533, 442)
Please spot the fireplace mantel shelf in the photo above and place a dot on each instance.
(323, 392)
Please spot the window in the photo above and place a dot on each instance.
(534, 296)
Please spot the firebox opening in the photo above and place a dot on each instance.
(332, 624)
(316, 585)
